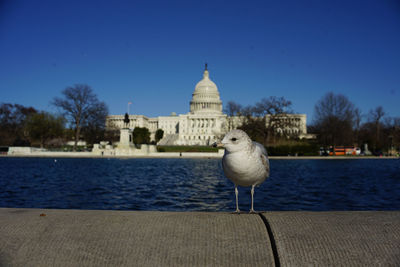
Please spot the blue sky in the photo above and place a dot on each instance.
(153, 52)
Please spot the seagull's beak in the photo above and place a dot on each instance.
(218, 144)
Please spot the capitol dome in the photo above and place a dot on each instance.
(205, 98)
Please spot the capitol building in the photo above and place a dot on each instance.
(204, 124)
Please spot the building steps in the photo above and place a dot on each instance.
(169, 140)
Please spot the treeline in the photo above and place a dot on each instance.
(336, 122)
(12, 124)
(80, 116)
(267, 122)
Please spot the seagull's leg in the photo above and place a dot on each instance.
(252, 199)
(237, 202)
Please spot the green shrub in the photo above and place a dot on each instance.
(300, 149)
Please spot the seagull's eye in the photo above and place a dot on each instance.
(233, 139)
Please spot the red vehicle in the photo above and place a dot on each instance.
(344, 150)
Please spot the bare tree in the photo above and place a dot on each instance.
(232, 109)
(267, 119)
(43, 126)
(357, 125)
(111, 132)
(12, 119)
(334, 117)
(247, 111)
(375, 117)
(376, 114)
(81, 107)
(94, 129)
(256, 128)
(275, 110)
(273, 106)
(395, 134)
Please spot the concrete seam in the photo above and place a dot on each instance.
(272, 240)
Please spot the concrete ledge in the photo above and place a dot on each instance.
(360, 238)
(35, 237)
(124, 238)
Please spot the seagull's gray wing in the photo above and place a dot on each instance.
(261, 148)
(263, 154)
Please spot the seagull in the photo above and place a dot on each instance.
(245, 162)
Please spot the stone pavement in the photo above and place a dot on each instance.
(39, 237)
(356, 238)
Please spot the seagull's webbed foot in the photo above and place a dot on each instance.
(237, 211)
(252, 211)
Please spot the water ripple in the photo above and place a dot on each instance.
(196, 185)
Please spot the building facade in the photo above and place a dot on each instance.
(204, 124)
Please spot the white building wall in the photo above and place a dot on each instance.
(200, 129)
(204, 124)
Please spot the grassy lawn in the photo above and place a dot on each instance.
(186, 149)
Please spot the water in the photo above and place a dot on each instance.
(196, 185)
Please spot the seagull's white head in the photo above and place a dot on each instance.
(236, 140)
